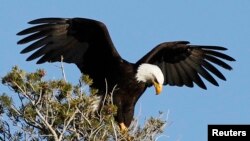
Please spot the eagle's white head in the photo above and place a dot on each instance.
(151, 74)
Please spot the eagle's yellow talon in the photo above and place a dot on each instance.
(123, 127)
(124, 131)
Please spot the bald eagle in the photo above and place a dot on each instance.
(87, 43)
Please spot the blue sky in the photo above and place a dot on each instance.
(138, 26)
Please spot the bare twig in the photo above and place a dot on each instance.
(113, 126)
(62, 68)
(112, 92)
(104, 98)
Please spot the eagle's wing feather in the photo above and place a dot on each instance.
(53, 38)
(183, 64)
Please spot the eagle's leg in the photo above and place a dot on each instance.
(123, 127)
(124, 131)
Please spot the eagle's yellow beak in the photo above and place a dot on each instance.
(158, 87)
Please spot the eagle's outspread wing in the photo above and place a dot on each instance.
(72, 39)
(183, 64)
